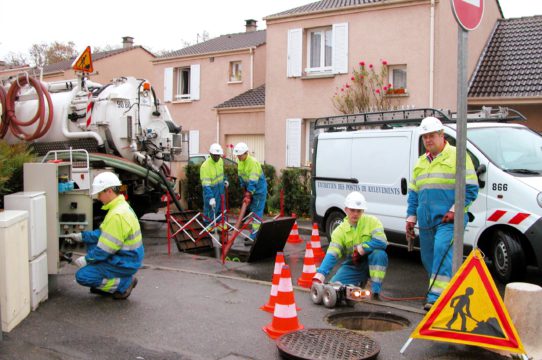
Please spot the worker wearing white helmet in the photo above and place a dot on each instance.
(212, 182)
(114, 251)
(253, 183)
(360, 239)
(431, 198)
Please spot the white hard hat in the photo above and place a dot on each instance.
(104, 181)
(240, 149)
(355, 200)
(216, 149)
(430, 124)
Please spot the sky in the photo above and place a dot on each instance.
(157, 25)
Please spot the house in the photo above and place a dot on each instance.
(199, 79)
(129, 60)
(509, 72)
(313, 49)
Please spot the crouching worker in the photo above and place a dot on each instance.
(360, 239)
(115, 250)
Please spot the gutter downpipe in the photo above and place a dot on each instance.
(431, 53)
(251, 52)
(217, 126)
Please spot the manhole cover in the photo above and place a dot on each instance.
(368, 321)
(332, 344)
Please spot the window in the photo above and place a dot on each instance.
(319, 47)
(398, 78)
(182, 83)
(235, 71)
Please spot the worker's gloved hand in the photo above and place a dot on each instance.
(410, 235)
(318, 278)
(247, 198)
(74, 238)
(212, 202)
(226, 183)
(448, 217)
(357, 254)
(80, 262)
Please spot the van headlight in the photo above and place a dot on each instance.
(539, 199)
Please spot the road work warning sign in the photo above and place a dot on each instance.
(471, 311)
(84, 62)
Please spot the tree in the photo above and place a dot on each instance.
(367, 91)
(44, 54)
(16, 59)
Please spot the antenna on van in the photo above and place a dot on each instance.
(394, 118)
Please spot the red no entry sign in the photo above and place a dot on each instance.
(468, 13)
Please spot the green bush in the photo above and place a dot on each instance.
(297, 189)
(12, 158)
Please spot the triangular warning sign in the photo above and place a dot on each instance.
(84, 62)
(470, 311)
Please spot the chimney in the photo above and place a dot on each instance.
(250, 25)
(127, 42)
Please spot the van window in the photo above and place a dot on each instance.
(451, 140)
(333, 158)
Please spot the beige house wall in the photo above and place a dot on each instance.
(215, 88)
(136, 63)
(398, 33)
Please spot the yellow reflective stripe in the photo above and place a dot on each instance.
(435, 175)
(378, 234)
(437, 186)
(114, 241)
(376, 274)
(109, 285)
(335, 248)
(133, 241)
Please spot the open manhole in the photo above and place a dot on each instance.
(367, 321)
(327, 344)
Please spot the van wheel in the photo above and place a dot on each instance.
(333, 220)
(507, 257)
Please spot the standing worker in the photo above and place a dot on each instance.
(253, 183)
(115, 250)
(431, 200)
(211, 174)
(361, 240)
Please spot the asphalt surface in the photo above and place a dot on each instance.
(190, 306)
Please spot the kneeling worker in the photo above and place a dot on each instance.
(360, 239)
(115, 250)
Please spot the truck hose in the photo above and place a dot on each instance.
(4, 125)
(42, 94)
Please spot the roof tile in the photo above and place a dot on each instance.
(253, 97)
(319, 6)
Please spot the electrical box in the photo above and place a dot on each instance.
(14, 272)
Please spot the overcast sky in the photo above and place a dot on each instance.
(157, 24)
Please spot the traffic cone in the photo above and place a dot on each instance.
(279, 262)
(285, 314)
(315, 243)
(309, 268)
(294, 238)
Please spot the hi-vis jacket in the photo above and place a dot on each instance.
(251, 176)
(211, 175)
(368, 232)
(119, 239)
(433, 187)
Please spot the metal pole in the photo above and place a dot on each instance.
(461, 147)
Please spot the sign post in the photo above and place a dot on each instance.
(468, 14)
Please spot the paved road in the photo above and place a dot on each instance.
(192, 307)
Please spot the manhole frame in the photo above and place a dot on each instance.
(380, 316)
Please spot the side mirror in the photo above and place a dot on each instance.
(480, 170)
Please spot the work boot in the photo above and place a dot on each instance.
(249, 242)
(123, 296)
(375, 296)
(427, 306)
(96, 291)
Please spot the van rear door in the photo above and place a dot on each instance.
(381, 163)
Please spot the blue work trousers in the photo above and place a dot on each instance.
(373, 265)
(257, 206)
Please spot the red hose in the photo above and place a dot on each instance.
(16, 124)
(4, 125)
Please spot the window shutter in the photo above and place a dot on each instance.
(293, 142)
(194, 82)
(340, 48)
(168, 84)
(295, 39)
(193, 141)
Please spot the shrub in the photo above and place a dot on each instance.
(296, 186)
(12, 158)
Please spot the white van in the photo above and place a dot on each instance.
(378, 162)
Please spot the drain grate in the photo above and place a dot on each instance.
(323, 344)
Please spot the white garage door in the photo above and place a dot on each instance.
(256, 144)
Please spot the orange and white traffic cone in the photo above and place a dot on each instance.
(294, 238)
(279, 262)
(285, 314)
(309, 268)
(315, 243)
